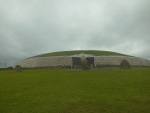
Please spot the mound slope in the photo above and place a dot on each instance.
(92, 52)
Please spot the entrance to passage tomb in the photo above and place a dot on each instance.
(77, 62)
(90, 61)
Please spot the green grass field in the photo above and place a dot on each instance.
(93, 52)
(75, 91)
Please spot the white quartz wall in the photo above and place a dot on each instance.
(45, 62)
(67, 61)
(116, 60)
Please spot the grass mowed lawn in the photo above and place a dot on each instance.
(93, 52)
(75, 91)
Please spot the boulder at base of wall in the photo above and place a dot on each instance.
(18, 68)
(85, 65)
(125, 64)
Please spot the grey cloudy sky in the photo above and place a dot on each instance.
(32, 27)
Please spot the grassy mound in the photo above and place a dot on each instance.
(93, 52)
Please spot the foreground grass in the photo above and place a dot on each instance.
(75, 91)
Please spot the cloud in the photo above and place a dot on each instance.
(34, 27)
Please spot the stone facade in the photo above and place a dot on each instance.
(53, 61)
(116, 60)
(45, 62)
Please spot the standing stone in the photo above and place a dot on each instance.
(18, 68)
(125, 64)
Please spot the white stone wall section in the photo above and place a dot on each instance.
(45, 62)
(67, 61)
(116, 60)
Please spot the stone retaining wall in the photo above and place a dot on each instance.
(67, 61)
(116, 60)
(45, 62)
